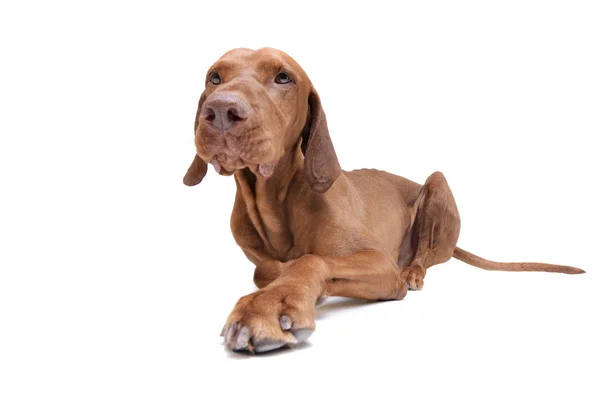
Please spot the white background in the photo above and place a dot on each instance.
(115, 279)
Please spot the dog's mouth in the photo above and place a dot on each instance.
(232, 151)
(227, 168)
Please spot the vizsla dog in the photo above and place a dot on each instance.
(311, 229)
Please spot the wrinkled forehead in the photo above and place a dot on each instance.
(265, 61)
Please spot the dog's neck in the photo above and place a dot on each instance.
(265, 198)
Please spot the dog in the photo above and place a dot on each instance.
(311, 229)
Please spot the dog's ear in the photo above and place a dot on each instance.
(197, 170)
(321, 166)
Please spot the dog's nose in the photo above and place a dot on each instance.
(224, 111)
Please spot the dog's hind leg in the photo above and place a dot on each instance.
(434, 231)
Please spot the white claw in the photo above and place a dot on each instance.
(242, 339)
(285, 322)
(302, 334)
(268, 345)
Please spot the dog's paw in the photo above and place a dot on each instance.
(269, 319)
(413, 275)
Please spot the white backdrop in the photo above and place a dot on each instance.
(115, 279)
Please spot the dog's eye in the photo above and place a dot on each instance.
(282, 78)
(214, 78)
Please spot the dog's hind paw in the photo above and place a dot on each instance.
(414, 276)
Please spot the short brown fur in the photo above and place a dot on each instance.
(311, 229)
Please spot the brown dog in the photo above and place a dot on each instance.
(311, 229)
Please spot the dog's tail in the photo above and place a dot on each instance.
(479, 262)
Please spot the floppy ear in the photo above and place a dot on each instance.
(321, 166)
(197, 170)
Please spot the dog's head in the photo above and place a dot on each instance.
(256, 106)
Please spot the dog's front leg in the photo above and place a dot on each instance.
(283, 312)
